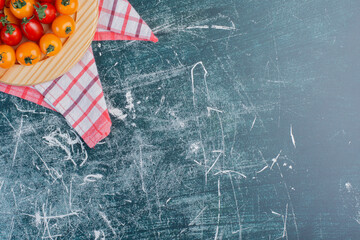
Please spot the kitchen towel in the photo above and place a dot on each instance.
(78, 94)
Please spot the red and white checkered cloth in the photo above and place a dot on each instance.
(78, 94)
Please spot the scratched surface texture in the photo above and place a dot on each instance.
(241, 123)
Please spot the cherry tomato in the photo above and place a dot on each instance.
(3, 20)
(11, 16)
(22, 8)
(32, 29)
(2, 4)
(28, 53)
(11, 34)
(7, 56)
(50, 44)
(45, 12)
(8, 2)
(63, 26)
(47, 1)
(66, 7)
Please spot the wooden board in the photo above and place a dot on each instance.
(74, 48)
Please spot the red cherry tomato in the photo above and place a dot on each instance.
(11, 34)
(47, 1)
(45, 12)
(2, 4)
(32, 29)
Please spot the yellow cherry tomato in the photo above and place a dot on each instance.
(50, 44)
(66, 7)
(22, 8)
(10, 17)
(63, 26)
(7, 56)
(28, 54)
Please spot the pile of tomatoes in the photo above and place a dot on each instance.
(26, 19)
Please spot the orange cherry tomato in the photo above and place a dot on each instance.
(63, 26)
(66, 7)
(7, 3)
(10, 17)
(22, 8)
(28, 54)
(50, 44)
(7, 56)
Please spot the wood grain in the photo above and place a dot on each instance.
(74, 48)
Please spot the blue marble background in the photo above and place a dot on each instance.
(241, 123)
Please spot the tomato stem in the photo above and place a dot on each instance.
(65, 2)
(18, 4)
(4, 21)
(40, 11)
(1, 57)
(68, 30)
(26, 20)
(28, 60)
(9, 29)
(50, 49)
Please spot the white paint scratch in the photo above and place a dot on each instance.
(219, 211)
(141, 169)
(45, 218)
(37, 154)
(18, 140)
(177, 121)
(230, 171)
(263, 169)
(285, 222)
(107, 221)
(217, 27)
(276, 213)
(99, 234)
(27, 111)
(193, 81)
(118, 113)
(130, 103)
(194, 220)
(224, 27)
(197, 216)
(198, 163)
(194, 147)
(253, 124)
(216, 160)
(237, 208)
(274, 160)
(92, 178)
(348, 186)
(209, 109)
(194, 104)
(292, 136)
(162, 100)
(198, 27)
(56, 139)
